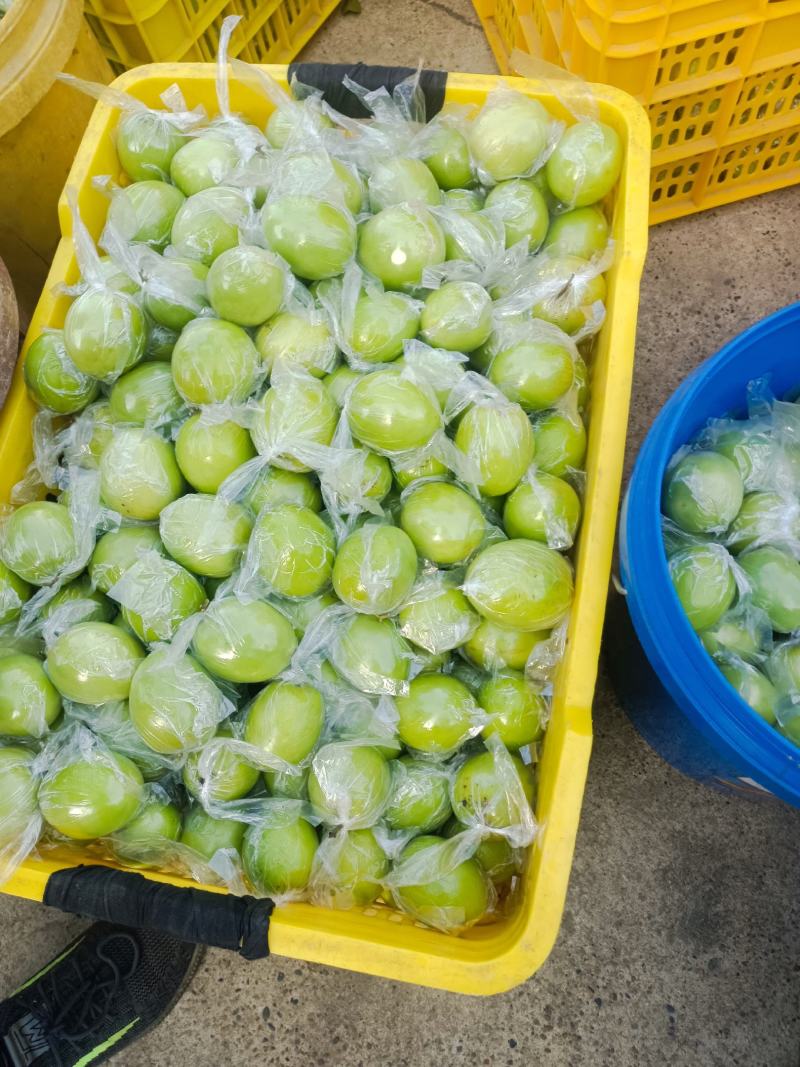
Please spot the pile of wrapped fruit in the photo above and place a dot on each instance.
(732, 533)
(283, 604)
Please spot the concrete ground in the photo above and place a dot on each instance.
(679, 943)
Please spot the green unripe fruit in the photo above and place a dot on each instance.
(203, 162)
(446, 899)
(278, 859)
(53, 379)
(495, 648)
(520, 584)
(349, 784)
(581, 232)
(286, 721)
(209, 223)
(104, 333)
(293, 550)
(534, 374)
(523, 211)
(508, 136)
(314, 237)
(703, 493)
(205, 534)
(173, 704)
(93, 663)
(457, 317)
(143, 213)
(208, 452)
(146, 395)
(206, 835)
(375, 569)
(560, 443)
(420, 798)
(92, 797)
(545, 509)
(39, 542)
(244, 642)
(704, 582)
(146, 144)
(517, 710)
(585, 164)
(390, 413)
(295, 339)
(774, 577)
(245, 285)
(438, 715)
(118, 550)
(213, 362)
(444, 522)
(499, 442)
(371, 655)
(29, 702)
(398, 243)
(138, 474)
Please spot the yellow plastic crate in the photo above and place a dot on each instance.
(378, 940)
(133, 32)
(723, 97)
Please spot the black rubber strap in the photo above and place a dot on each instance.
(328, 77)
(217, 919)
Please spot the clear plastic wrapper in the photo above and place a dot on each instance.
(20, 820)
(703, 492)
(543, 508)
(93, 662)
(530, 361)
(511, 137)
(420, 796)
(375, 569)
(300, 335)
(445, 523)
(295, 418)
(370, 323)
(349, 869)
(156, 595)
(105, 331)
(29, 702)
(436, 615)
(751, 684)
(516, 708)
(146, 396)
(369, 653)
(52, 378)
(244, 641)
(743, 631)
(112, 724)
(138, 473)
(87, 790)
(439, 882)
(493, 433)
(278, 852)
(174, 705)
(290, 554)
(438, 715)
(492, 792)
(520, 584)
(704, 579)
(205, 534)
(349, 784)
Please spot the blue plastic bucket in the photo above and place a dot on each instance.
(677, 698)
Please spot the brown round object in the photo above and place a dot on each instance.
(9, 332)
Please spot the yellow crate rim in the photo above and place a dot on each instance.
(493, 957)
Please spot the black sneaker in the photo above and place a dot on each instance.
(100, 994)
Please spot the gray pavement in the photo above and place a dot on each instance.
(679, 944)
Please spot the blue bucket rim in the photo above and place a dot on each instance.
(698, 686)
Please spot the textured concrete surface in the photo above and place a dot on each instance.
(680, 940)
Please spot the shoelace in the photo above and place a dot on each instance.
(70, 1020)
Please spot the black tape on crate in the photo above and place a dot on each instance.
(328, 78)
(220, 920)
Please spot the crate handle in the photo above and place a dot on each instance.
(220, 920)
(328, 78)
